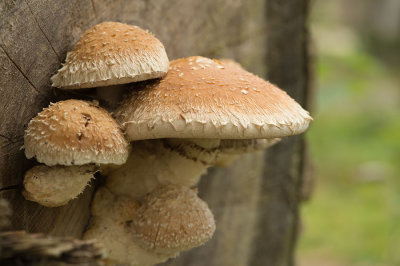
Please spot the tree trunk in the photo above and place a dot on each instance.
(256, 200)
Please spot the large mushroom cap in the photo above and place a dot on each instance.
(204, 98)
(173, 219)
(75, 132)
(112, 53)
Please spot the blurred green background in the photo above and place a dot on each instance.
(353, 217)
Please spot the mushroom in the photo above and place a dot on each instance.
(169, 220)
(69, 133)
(53, 186)
(173, 219)
(196, 105)
(204, 99)
(110, 225)
(179, 125)
(112, 53)
(230, 150)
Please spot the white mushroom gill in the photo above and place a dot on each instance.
(231, 149)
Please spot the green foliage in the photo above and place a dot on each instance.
(354, 216)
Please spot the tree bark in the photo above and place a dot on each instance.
(256, 200)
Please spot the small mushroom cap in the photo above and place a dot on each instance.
(112, 53)
(55, 186)
(173, 219)
(75, 132)
(204, 98)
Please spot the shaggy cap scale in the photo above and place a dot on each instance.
(75, 132)
(112, 53)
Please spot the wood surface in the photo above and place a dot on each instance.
(256, 200)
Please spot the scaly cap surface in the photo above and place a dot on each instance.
(204, 98)
(112, 53)
(75, 132)
(173, 219)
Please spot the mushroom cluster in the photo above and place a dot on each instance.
(190, 114)
(71, 138)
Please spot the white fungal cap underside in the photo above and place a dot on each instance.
(204, 98)
(234, 146)
(75, 132)
(112, 53)
(173, 219)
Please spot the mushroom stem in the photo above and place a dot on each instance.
(155, 163)
(57, 185)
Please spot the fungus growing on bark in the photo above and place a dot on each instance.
(53, 186)
(111, 226)
(199, 102)
(71, 132)
(173, 219)
(206, 99)
(75, 132)
(169, 220)
(110, 54)
(179, 125)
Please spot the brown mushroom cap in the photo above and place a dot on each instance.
(112, 53)
(75, 132)
(173, 219)
(57, 185)
(204, 98)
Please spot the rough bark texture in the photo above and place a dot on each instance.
(21, 248)
(256, 200)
